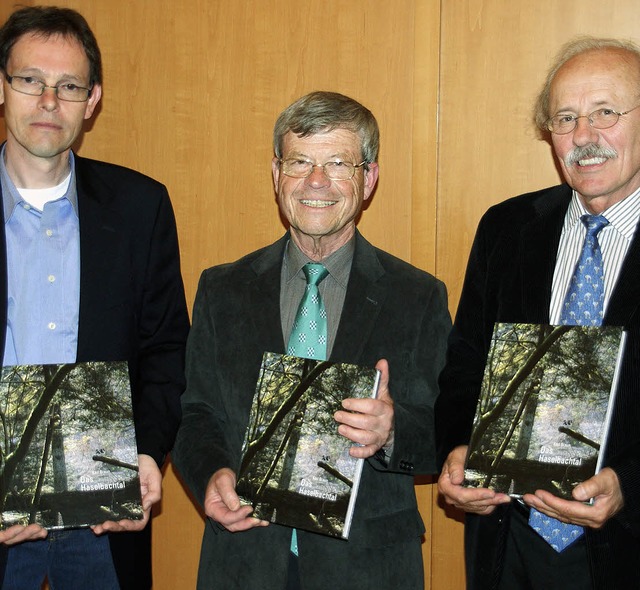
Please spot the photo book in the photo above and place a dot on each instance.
(68, 445)
(544, 407)
(296, 469)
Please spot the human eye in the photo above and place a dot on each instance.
(565, 119)
(30, 81)
(605, 114)
(69, 87)
(297, 163)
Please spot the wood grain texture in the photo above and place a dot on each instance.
(192, 90)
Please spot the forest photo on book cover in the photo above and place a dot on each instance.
(296, 468)
(68, 445)
(542, 407)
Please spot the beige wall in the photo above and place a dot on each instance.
(192, 89)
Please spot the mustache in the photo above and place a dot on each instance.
(591, 150)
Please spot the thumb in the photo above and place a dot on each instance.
(383, 386)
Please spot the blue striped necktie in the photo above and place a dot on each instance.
(583, 306)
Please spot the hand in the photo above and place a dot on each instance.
(604, 488)
(18, 534)
(151, 491)
(221, 503)
(368, 421)
(476, 500)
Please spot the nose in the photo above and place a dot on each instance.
(49, 99)
(584, 132)
(318, 178)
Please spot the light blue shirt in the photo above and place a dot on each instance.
(43, 276)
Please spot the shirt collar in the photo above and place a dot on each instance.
(338, 264)
(623, 216)
(11, 197)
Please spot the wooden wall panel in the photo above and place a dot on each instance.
(191, 92)
(494, 56)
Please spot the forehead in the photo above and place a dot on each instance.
(54, 54)
(329, 143)
(596, 77)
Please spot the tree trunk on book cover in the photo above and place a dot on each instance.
(52, 377)
(311, 371)
(293, 426)
(526, 424)
(491, 416)
(292, 447)
(37, 493)
(57, 452)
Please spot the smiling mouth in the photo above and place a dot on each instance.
(591, 161)
(317, 204)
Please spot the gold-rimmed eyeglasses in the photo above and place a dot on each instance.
(335, 170)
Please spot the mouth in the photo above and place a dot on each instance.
(591, 161)
(316, 203)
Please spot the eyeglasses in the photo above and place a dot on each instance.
(599, 119)
(34, 87)
(334, 170)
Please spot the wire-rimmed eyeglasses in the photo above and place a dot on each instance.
(34, 87)
(335, 170)
(599, 119)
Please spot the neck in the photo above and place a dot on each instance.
(317, 248)
(34, 172)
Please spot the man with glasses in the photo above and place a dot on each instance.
(377, 307)
(90, 272)
(525, 256)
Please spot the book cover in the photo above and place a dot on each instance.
(68, 445)
(544, 407)
(296, 469)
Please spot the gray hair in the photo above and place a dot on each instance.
(319, 112)
(569, 50)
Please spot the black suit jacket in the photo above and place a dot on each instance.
(132, 307)
(509, 279)
(391, 310)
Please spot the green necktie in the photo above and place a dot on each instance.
(308, 336)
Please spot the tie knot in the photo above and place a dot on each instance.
(594, 223)
(315, 272)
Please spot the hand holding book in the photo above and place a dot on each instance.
(221, 503)
(368, 421)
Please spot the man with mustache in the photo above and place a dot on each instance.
(520, 269)
(377, 307)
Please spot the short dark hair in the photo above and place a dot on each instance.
(321, 111)
(46, 21)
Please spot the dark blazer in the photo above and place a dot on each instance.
(391, 310)
(509, 279)
(132, 307)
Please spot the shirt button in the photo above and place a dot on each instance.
(51, 326)
(49, 233)
(51, 278)
(27, 206)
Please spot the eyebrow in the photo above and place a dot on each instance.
(37, 72)
(597, 105)
(339, 155)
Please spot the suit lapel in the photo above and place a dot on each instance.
(625, 298)
(264, 298)
(540, 239)
(100, 238)
(363, 302)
